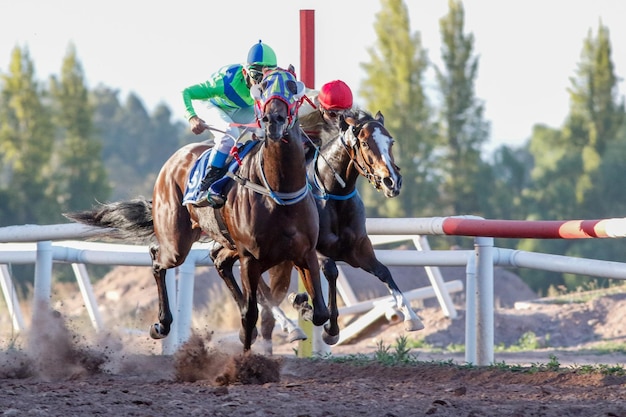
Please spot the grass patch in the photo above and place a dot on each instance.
(399, 354)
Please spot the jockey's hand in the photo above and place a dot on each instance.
(197, 125)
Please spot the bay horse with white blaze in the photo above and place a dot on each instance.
(269, 219)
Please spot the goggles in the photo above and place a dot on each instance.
(256, 72)
(334, 113)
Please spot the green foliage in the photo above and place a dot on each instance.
(462, 128)
(79, 174)
(26, 146)
(393, 85)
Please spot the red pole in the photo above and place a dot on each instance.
(307, 47)
(538, 229)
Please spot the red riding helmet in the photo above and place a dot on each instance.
(335, 95)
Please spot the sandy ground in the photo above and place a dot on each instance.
(576, 369)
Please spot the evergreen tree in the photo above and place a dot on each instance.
(462, 127)
(26, 144)
(596, 115)
(575, 167)
(393, 85)
(80, 175)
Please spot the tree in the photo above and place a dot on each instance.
(461, 125)
(578, 167)
(80, 175)
(393, 85)
(26, 144)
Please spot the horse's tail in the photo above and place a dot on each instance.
(127, 220)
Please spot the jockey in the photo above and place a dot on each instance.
(333, 101)
(227, 93)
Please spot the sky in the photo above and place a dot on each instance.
(527, 50)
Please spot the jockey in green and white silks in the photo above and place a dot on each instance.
(227, 93)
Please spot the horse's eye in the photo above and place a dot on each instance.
(364, 145)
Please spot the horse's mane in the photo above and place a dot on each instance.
(329, 133)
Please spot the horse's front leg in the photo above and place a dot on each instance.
(411, 321)
(331, 330)
(162, 328)
(310, 275)
(250, 276)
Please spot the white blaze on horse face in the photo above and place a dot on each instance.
(384, 147)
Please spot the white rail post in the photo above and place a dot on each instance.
(186, 279)
(84, 283)
(170, 343)
(484, 301)
(43, 276)
(10, 296)
(470, 311)
(436, 280)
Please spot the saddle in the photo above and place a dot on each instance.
(196, 173)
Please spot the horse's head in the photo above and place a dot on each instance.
(278, 97)
(370, 148)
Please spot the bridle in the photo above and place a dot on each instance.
(353, 148)
(355, 151)
(282, 87)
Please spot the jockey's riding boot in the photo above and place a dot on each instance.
(208, 197)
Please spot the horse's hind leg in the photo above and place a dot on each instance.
(162, 328)
(273, 295)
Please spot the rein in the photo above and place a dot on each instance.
(356, 158)
(280, 198)
(325, 195)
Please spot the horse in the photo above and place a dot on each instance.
(269, 219)
(362, 147)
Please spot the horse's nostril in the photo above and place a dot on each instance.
(388, 181)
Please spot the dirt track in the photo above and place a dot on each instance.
(321, 388)
(54, 377)
(57, 373)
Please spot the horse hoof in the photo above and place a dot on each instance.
(157, 331)
(413, 325)
(296, 334)
(299, 300)
(329, 339)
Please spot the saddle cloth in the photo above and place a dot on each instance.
(196, 174)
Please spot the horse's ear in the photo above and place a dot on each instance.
(350, 120)
(255, 91)
(296, 88)
(300, 89)
(379, 116)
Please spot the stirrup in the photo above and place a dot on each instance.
(210, 200)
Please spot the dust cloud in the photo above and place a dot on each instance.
(51, 351)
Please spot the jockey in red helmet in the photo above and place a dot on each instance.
(332, 101)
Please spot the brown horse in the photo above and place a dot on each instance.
(269, 220)
(363, 148)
